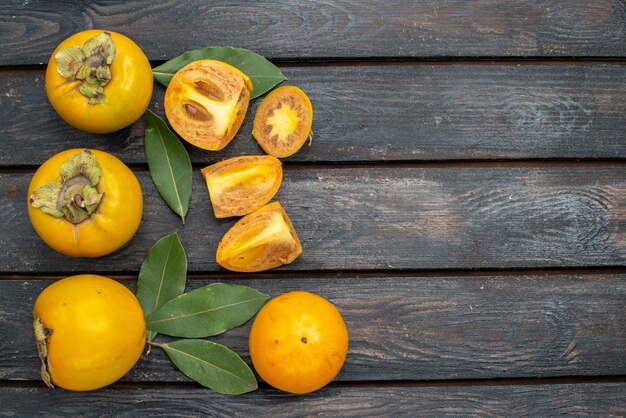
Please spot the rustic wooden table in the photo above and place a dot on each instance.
(463, 202)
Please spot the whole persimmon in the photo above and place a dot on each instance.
(85, 203)
(298, 342)
(99, 81)
(90, 331)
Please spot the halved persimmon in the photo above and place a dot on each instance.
(241, 185)
(283, 121)
(206, 102)
(262, 240)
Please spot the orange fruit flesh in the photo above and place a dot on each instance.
(206, 102)
(283, 121)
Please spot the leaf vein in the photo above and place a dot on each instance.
(169, 166)
(162, 280)
(206, 362)
(172, 318)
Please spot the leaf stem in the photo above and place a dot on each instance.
(153, 344)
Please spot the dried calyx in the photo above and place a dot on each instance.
(75, 198)
(41, 334)
(89, 64)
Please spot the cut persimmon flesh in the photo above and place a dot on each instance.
(262, 240)
(206, 102)
(240, 185)
(283, 121)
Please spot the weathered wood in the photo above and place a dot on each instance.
(380, 218)
(377, 238)
(326, 28)
(411, 328)
(382, 113)
(590, 399)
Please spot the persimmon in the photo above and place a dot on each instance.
(283, 121)
(206, 102)
(90, 331)
(298, 342)
(85, 203)
(99, 81)
(240, 185)
(259, 241)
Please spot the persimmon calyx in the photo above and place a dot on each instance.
(41, 334)
(76, 197)
(89, 64)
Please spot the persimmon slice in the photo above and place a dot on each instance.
(241, 185)
(283, 121)
(206, 102)
(262, 240)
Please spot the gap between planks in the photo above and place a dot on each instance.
(564, 380)
(353, 274)
(478, 163)
(393, 61)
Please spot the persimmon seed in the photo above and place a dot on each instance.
(209, 90)
(196, 112)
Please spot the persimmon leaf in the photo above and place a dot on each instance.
(162, 276)
(169, 163)
(207, 311)
(212, 365)
(263, 74)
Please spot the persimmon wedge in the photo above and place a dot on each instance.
(260, 241)
(206, 102)
(283, 121)
(240, 185)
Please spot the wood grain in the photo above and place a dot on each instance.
(381, 113)
(391, 241)
(377, 218)
(411, 328)
(592, 399)
(325, 28)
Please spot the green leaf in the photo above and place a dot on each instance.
(263, 74)
(207, 311)
(212, 365)
(170, 166)
(162, 276)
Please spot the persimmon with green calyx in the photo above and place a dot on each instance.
(283, 121)
(240, 185)
(259, 241)
(99, 81)
(206, 102)
(85, 203)
(90, 331)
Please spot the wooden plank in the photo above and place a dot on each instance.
(382, 113)
(411, 328)
(327, 28)
(372, 218)
(589, 399)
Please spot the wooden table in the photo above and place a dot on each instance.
(463, 202)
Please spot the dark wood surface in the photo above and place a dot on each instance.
(428, 218)
(463, 202)
(599, 399)
(392, 112)
(426, 328)
(327, 29)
